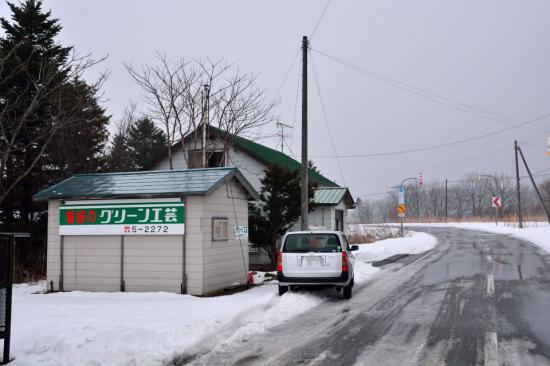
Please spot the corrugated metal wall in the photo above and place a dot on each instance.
(154, 262)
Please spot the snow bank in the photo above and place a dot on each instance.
(82, 328)
(414, 243)
(87, 328)
(537, 233)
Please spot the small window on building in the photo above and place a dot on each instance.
(215, 159)
(219, 228)
(339, 224)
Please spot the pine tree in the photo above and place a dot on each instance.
(277, 209)
(80, 147)
(63, 128)
(146, 144)
(29, 42)
(119, 157)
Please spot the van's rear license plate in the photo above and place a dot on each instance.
(313, 261)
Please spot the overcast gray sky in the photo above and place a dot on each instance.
(493, 55)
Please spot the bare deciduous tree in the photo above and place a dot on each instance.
(175, 94)
(17, 109)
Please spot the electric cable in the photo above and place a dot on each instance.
(467, 108)
(325, 119)
(319, 20)
(437, 146)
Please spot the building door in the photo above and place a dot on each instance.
(339, 217)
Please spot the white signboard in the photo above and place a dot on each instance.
(241, 231)
(401, 195)
(496, 202)
(125, 218)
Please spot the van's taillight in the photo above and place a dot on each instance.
(280, 262)
(344, 262)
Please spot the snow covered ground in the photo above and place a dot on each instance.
(413, 243)
(537, 233)
(85, 328)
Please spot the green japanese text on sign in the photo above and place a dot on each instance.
(124, 219)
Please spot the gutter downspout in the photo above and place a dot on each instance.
(183, 264)
(122, 283)
(61, 264)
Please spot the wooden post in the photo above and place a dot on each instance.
(304, 167)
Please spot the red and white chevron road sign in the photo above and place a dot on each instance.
(496, 201)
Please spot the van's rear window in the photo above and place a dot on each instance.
(304, 243)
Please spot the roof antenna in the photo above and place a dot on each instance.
(282, 134)
(206, 107)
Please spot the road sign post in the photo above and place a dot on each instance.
(401, 208)
(496, 202)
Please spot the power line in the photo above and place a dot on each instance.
(325, 119)
(449, 181)
(451, 103)
(428, 168)
(433, 147)
(319, 20)
(296, 101)
(287, 75)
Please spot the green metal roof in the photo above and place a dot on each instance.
(332, 196)
(148, 184)
(272, 157)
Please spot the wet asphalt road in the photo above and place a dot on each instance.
(475, 299)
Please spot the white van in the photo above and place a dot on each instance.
(309, 258)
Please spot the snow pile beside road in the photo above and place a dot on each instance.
(414, 243)
(82, 328)
(537, 233)
(86, 328)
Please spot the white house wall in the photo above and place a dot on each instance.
(324, 217)
(53, 249)
(252, 168)
(87, 263)
(225, 262)
(154, 263)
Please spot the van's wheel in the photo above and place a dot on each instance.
(282, 290)
(348, 291)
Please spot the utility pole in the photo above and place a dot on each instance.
(304, 167)
(534, 184)
(446, 206)
(518, 192)
(206, 107)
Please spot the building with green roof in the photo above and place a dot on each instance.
(183, 231)
(226, 149)
(331, 201)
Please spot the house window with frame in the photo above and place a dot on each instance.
(219, 228)
(215, 159)
(339, 220)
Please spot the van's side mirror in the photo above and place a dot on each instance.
(354, 248)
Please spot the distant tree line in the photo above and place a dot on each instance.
(467, 199)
